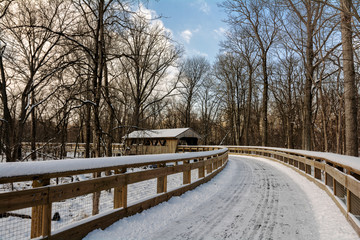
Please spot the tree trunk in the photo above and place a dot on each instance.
(351, 129)
(33, 128)
(248, 110)
(307, 125)
(264, 110)
(289, 117)
(8, 121)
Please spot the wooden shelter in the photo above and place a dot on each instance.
(160, 140)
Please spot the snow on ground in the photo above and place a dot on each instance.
(327, 214)
(252, 198)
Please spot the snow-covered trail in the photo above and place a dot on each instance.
(251, 199)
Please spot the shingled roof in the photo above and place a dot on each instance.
(164, 133)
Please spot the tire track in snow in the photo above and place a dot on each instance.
(260, 203)
(223, 209)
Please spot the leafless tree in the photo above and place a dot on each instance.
(150, 55)
(34, 56)
(259, 19)
(194, 70)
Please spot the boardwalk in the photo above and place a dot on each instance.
(255, 200)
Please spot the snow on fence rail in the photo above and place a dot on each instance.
(336, 174)
(34, 207)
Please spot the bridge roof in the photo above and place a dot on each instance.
(164, 133)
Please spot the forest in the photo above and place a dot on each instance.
(92, 71)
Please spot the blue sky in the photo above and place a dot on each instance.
(195, 24)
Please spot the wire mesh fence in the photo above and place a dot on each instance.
(140, 190)
(15, 224)
(329, 181)
(355, 205)
(340, 190)
(71, 210)
(174, 181)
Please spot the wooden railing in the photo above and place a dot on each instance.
(340, 180)
(46, 191)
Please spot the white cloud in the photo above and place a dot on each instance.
(186, 35)
(220, 31)
(152, 16)
(202, 5)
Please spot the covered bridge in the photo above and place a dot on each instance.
(160, 140)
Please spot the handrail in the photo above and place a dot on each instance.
(41, 197)
(340, 178)
(26, 171)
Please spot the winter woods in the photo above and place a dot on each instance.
(91, 71)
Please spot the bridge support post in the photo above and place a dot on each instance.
(120, 193)
(187, 173)
(162, 182)
(201, 169)
(41, 215)
(209, 167)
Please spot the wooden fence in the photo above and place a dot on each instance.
(340, 181)
(41, 197)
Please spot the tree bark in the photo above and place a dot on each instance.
(8, 121)
(33, 128)
(351, 129)
(264, 110)
(308, 87)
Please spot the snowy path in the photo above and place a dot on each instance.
(251, 199)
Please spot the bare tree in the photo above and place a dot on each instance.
(194, 70)
(259, 18)
(231, 72)
(35, 56)
(150, 55)
(310, 18)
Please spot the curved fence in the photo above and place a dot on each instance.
(338, 175)
(66, 199)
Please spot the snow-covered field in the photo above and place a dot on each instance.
(252, 198)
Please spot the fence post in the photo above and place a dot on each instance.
(209, 166)
(187, 174)
(162, 182)
(120, 193)
(96, 196)
(317, 173)
(202, 169)
(348, 200)
(41, 214)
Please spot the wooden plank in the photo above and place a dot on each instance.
(119, 190)
(70, 190)
(39, 212)
(187, 174)
(353, 185)
(201, 171)
(336, 174)
(162, 184)
(46, 224)
(23, 199)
